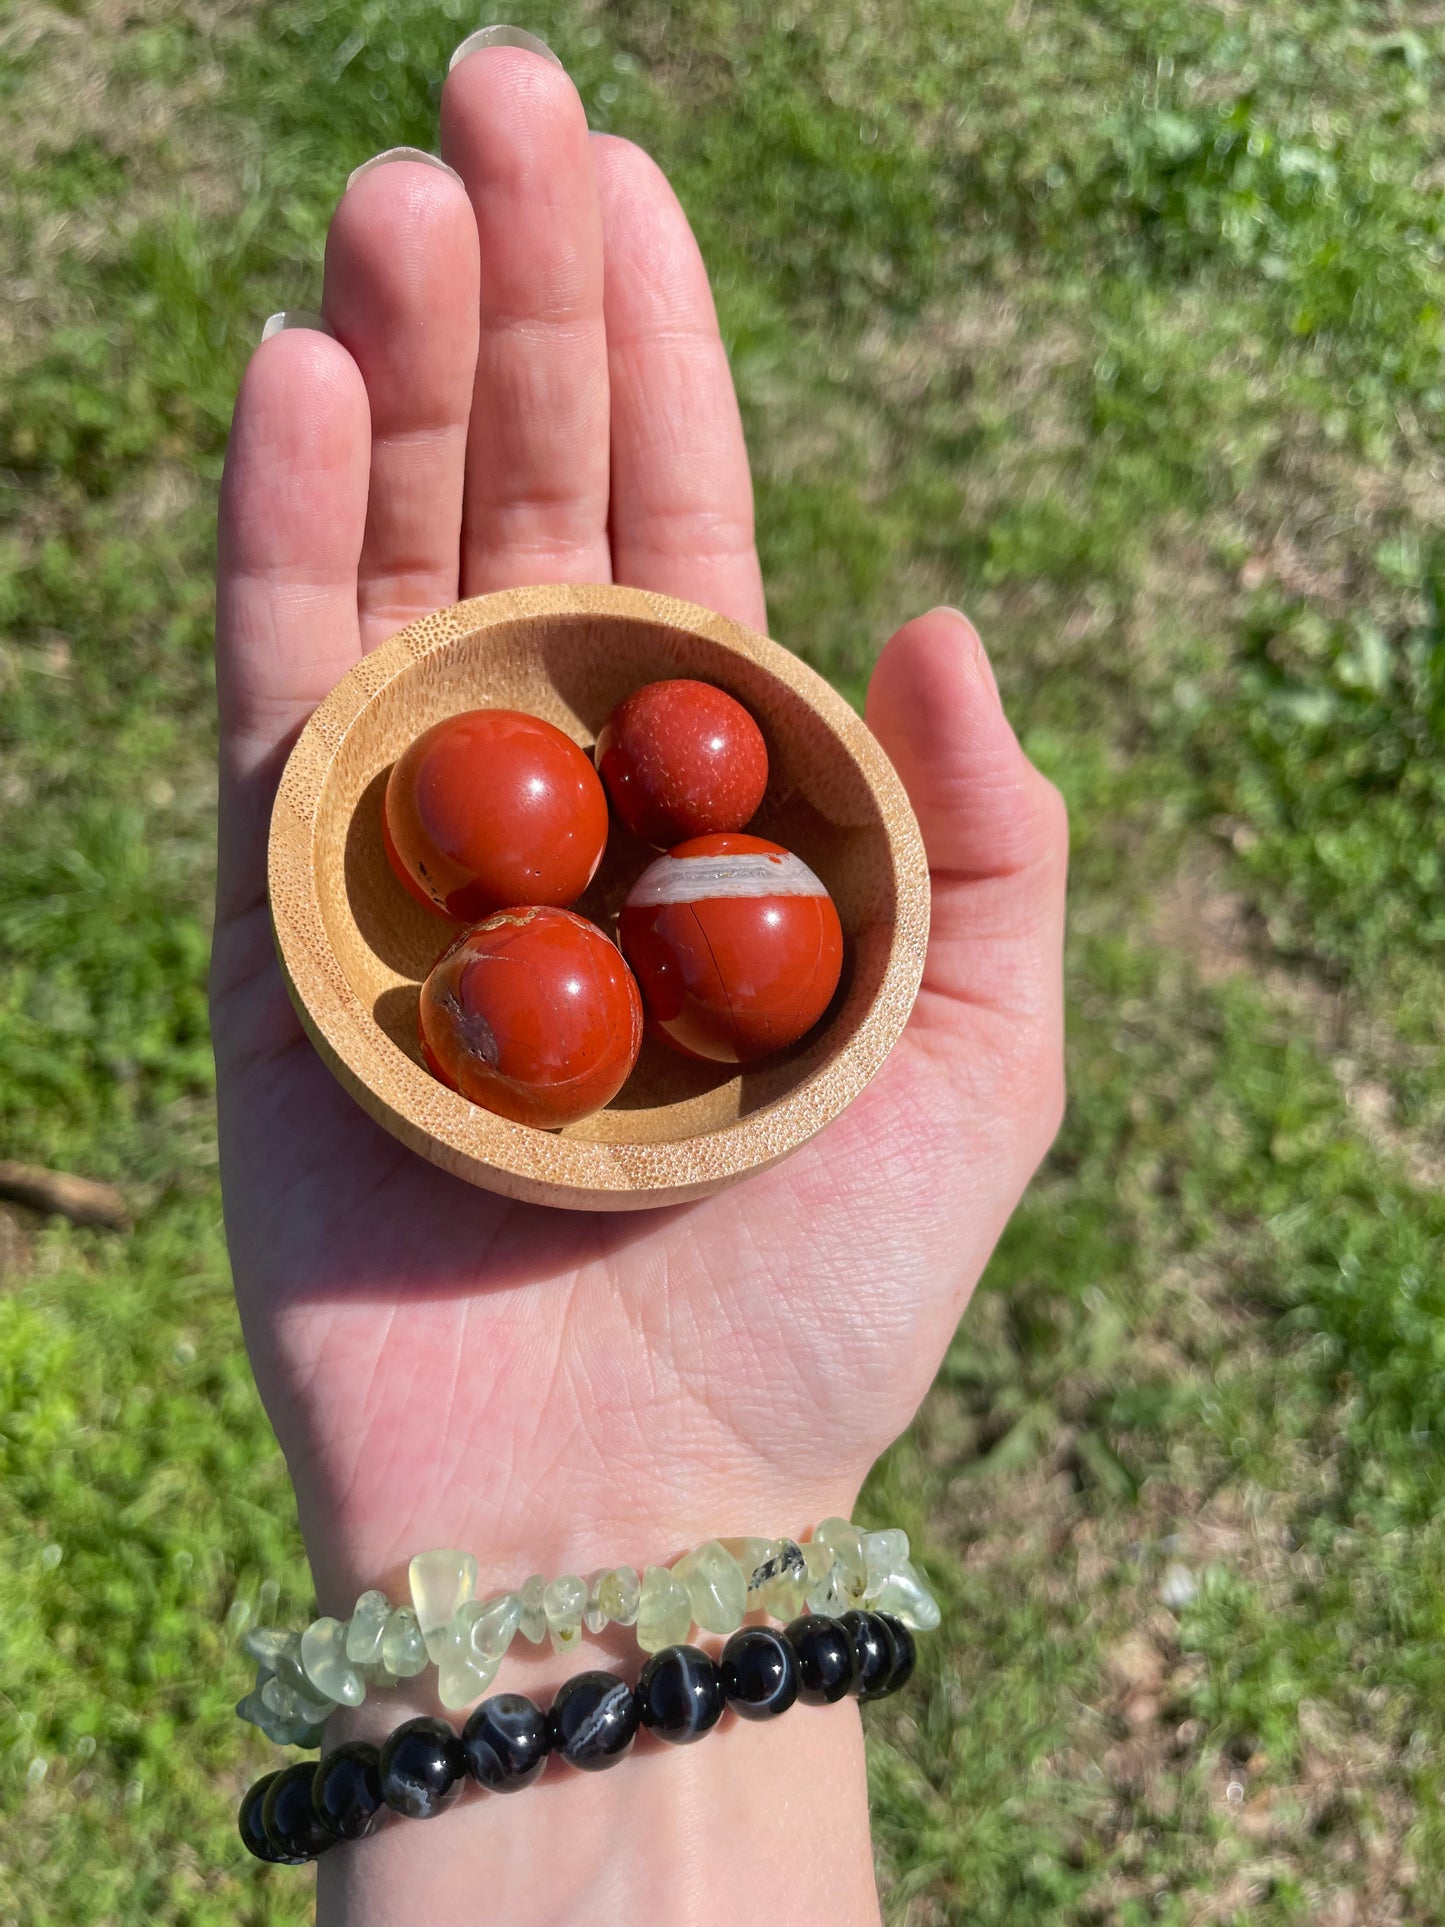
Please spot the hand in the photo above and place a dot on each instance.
(526, 384)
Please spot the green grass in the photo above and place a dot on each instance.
(1120, 325)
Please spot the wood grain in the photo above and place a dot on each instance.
(354, 946)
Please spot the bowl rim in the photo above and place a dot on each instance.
(514, 1159)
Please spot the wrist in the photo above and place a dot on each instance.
(513, 1536)
(712, 1833)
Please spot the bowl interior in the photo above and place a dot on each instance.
(573, 669)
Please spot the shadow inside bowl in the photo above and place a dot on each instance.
(394, 927)
(396, 1011)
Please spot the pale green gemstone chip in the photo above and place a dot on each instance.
(781, 1584)
(664, 1611)
(281, 1732)
(323, 1656)
(826, 1591)
(254, 1710)
(440, 1581)
(753, 1555)
(262, 1643)
(292, 1703)
(565, 1598)
(593, 1617)
(618, 1594)
(494, 1626)
(459, 1633)
(903, 1592)
(882, 1551)
(533, 1623)
(279, 1699)
(845, 1542)
(481, 1633)
(278, 1653)
(403, 1650)
(564, 1602)
(365, 1628)
(716, 1588)
(461, 1676)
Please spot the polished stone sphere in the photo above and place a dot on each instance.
(759, 1673)
(874, 1652)
(533, 1015)
(289, 1819)
(422, 1767)
(593, 1721)
(492, 808)
(252, 1830)
(905, 1652)
(827, 1667)
(680, 1694)
(346, 1791)
(506, 1742)
(682, 759)
(736, 945)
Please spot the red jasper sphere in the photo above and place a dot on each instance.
(736, 945)
(533, 1015)
(493, 808)
(682, 759)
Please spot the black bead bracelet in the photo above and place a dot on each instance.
(295, 1815)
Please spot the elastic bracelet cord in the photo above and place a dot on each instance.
(298, 1813)
(301, 1678)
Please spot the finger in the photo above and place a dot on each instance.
(682, 497)
(995, 830)
(401, 296)
(293, 507)
(537, 459)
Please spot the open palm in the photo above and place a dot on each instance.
(526, 384)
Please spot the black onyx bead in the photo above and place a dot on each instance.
(248, 1822)
(421, 1768)
(505, 1742)
(905, 1653)
(826, 1666)
(873, 1650)
(593, 1720)
(289, 1820)
(680, 1695)
(759, 1673)
(346, 1791)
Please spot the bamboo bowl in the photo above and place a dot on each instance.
(354, 946)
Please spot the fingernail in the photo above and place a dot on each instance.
(277, 324)
(401, 154)
(980, 654)
(503, 37)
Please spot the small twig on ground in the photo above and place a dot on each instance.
(82, 1200)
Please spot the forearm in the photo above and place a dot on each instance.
(716, 1832)
(752, 1823)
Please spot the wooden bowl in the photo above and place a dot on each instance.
(354, 946)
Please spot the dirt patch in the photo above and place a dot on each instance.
(1222, 935)
(82, 87)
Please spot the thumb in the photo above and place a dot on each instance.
(995, 829)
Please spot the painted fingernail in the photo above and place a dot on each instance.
(277, 324)
(401, 154)
(503, 37)
(980, 654)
